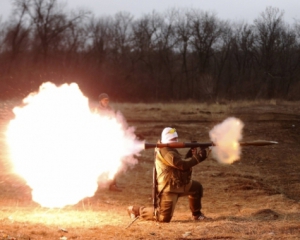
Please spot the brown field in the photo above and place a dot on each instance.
(256, 197)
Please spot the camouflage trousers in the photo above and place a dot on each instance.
(168, 200)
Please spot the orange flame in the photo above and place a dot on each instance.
(60, 147)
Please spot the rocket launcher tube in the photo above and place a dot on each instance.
(204, 144)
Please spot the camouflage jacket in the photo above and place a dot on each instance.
(173, 172)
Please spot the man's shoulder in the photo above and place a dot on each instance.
(169, 150)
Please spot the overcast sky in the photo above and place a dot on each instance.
(235, 10)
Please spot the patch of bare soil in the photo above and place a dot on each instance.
(256, 197)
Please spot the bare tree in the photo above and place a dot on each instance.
(143, 33)
(97, 52)
(2, 36)
(288, 62)
(243, 59)
(70, 47)
(206, 32)
(121, 31)
(17, 35)
(15, 45)
(165, 57)
(183, 33)
(224, 83)
(98, 31)
(242, 48)
(49, 22)
(268, 29)
(143, 51)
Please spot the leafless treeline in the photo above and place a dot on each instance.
(180, 54)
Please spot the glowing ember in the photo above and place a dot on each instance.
(60, 147)
(226, 136)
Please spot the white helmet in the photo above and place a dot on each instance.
(168, 135)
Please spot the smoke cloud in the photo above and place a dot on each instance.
(226, 137)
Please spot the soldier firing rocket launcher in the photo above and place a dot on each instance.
(192, 145)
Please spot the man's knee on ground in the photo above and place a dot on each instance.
(147, 214)
(165, 211)
(162, 218)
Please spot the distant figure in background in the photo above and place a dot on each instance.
(105, 109)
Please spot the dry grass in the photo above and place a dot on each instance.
(254, 198)
(191, 111)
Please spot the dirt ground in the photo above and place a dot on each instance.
(256, 197)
